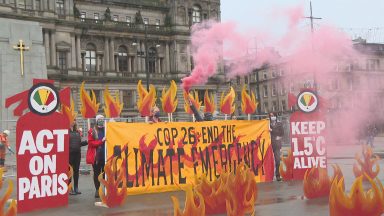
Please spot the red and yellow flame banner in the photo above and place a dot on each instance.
(168, 156)
(112, 107)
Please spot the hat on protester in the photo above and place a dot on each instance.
(99, 117)
(7, 132)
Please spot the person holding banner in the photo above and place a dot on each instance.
(75, 145)
(155, 115)
(4, 143)
(96, 150)
(207, 116)
(277, 133)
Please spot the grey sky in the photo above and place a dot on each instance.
(357, 17)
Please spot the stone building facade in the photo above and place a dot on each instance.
(117, 42)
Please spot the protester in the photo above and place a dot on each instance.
(277, 132)
(96, 150)
(75, 144)
(207, 115)
(4, 143)
(155, 115)
(371, 133)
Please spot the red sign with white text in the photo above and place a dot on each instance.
(307, 130)
(42, 150)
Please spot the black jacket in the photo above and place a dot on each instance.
(75, 142)
(196, 113)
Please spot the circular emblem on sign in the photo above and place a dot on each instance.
(43, 99)
(307, 101)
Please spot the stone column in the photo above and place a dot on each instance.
(143, 63)
(158, 65)
(106, 54)
(53, 48)
(97, 62)
(46, 45)
(117, 65)
(134, 62)
(33, 4)
(167, 63)
(111, 55)
(73, 51)
(66, 9)
(188, 58)
(69, 60)
(78, 53)
(52, 5)
(129, 64)
(138, 58)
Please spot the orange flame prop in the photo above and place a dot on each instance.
(317, 183)
(70, 174)
(248, 103)
(194, 96)
(366, 165)
(242, 192)
(12, 210)
(112, 107)
(194, 204)
(114, 196)
(89, 107)
(209, 102)
(169, 99)
(69, 112)
(358, 202)
(227, 103)
(286, 167)
(146, 99)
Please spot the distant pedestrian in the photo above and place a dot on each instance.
(371, 133)
(75, 144)
(96, 150)
(4, 143)
(277, 133)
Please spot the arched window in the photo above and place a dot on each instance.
(90, 58)
(122, 58)
(152, 60)
(196, 14)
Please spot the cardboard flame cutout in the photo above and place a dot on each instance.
(169, 98)
(112, 107)
(209, 102)
(194, 96)
(12, 210)
(194, 204)
(114, 195)
(248, 102)
(366, 165)
(358, 202)
(316, 182)
(70, 175)
(286, 167)
(227, 103)
(89, 107)
(69, 112)
(146, 99)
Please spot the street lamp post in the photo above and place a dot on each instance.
(146, 55)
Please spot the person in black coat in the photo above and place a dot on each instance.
(75, 144)
(277, 133)
(207, 115)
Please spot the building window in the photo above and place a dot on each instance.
(373, 64)
(274, 90)
(265, 91)
(283, 105)
(115, 18)
(291, 88)
(274, 106)
(38, 6)
(266, 107)
(196, 14)
(123, 58)
(60, 7)
(90, 58)
(62, 60)
(157, 23)
(246, 79)
(146, 21)
(128, 20)
(335, 84)
(152, 60)
(83, 15)
(96, 16)
(129, 99)
(283, 90)
(265, 76)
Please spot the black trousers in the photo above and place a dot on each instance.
(74, 161)
(276, 146)
(98, 167)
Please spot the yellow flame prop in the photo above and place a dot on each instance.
(227, 103)
(286, 166)
(114, 195)
(69, 112)
(89, 107)
(70, 174)
(194, 204)
(209, 102)
(366, 165)
(194, 96)
(358, 202)
(248, 103)
(169, 98)
(112, 107)
(12, 210)
(146, 99)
